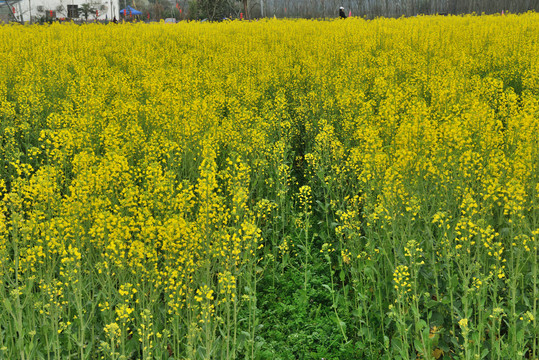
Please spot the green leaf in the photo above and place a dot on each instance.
(8, 306)
(386, 341)
(420, 325)
(437, 319)
(418, 345)
(358, 312)
(363, 332)
(201, 352)
(325, 286)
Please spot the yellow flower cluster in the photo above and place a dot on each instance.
(414, 252)
(401, 278)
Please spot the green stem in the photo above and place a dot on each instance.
(535, 296)
(451, 301)
(334, 303)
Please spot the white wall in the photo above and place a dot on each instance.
(28, 7)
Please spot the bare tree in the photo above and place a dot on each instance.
(390, 8)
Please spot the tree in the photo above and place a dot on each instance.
(86, 9)
(213, 9)
(156, 8)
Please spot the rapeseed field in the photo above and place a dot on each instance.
(276, 189)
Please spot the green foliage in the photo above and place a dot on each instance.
(212, 10)
(86, 10)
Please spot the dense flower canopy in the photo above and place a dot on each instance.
(151, 175)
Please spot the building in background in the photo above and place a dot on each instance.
(46, 10)
(9, 10)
